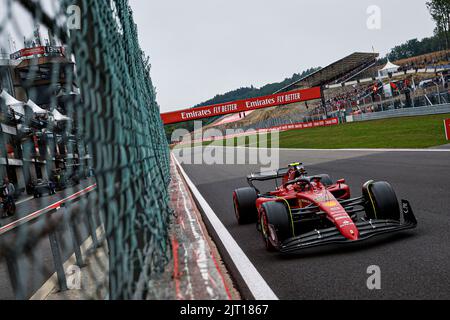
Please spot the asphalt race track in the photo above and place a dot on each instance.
(414, 264)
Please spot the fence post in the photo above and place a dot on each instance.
(92, 229)
(15, 277)
(76, 242)
(57, 260)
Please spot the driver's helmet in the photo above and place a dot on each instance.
(296, 170)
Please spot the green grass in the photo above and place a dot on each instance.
(409, 132)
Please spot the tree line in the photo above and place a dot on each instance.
(440, 12)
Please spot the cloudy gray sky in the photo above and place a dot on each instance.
(199, 48)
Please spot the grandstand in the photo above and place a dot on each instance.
(353, 85)
(344, 69)
(429, 60)
(340, 71)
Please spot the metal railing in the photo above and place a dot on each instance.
(50, 223)
(434, 103)
(404, 112)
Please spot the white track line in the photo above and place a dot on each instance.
(328, 150)
(253, 279)
(370, 150)
(24, 200)
(348, 150)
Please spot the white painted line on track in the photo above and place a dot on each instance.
(252, 278)
(24, 200)
(369, 150)
(336, 150)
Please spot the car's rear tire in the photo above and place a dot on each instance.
(276, 224)
(244, 200)
(382, 202)
(326, 180)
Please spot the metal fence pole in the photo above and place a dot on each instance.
(15, 277)
(76, 242)
(92, 225)
(57, 260)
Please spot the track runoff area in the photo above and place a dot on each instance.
(409, 265)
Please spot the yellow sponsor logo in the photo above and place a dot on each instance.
(330, 204)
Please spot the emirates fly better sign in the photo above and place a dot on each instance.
(279, 99)
(42, 50)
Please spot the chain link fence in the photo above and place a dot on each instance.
(79, 118)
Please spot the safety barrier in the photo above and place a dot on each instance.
(404, 112)
(97, 113)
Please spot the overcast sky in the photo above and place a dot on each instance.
(200, 48)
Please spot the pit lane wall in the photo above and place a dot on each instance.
(196, 270)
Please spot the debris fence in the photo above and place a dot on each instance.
(79, 116)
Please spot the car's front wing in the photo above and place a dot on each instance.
(367, 229)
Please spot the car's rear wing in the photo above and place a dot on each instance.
(270, 175)
(266, 176)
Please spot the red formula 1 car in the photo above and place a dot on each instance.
(310, 211)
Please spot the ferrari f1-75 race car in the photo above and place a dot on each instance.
(309, 211)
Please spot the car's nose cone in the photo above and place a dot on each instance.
(350, 231)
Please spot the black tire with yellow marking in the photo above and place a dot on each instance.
(277, 216)
(381, 201)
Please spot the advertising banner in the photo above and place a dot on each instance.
(299, 126)
(30, 52)
(447, 129)
(279, 99)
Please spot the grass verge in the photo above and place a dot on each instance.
(395, 133)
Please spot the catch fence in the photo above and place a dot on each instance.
(78, 109)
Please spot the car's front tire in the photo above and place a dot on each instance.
(276, 224)
(381, 201)
(244, 201)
